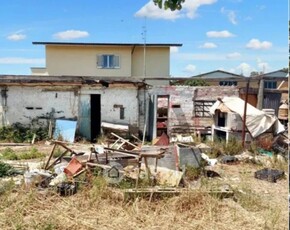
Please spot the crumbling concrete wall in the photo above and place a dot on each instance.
(112, 99)
(181, 116)
(24, 104)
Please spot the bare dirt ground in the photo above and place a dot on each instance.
(257, 205)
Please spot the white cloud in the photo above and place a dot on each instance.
(263, 66)
(245, 69)
(233, 55)
(219, 34)
(71, 34)
(190, 68)
(256, 44)
(173, 49)
(191, 6)
(189, 9)
(150, 10)
(208, 45)
(230, 14)
(19, 60)
(16, 37)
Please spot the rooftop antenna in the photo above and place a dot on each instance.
(144, 52)
(264, 68)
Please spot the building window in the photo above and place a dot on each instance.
(108, 61)
(122, 113)
(201, 108)
(228, 83)
(270, 84)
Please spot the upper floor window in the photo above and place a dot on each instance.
(228, 83)
(270, 84)
(108, 61)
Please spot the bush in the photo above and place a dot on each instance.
(19, 133)
(6, 169)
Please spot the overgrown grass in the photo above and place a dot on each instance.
(100, 207)
(220, 147)
(6, 169)
(193, 173)
(280, 164)
(19, 133)
(249, 200)
(10, 154)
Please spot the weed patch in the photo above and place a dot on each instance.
(249, 200)
(220, 147)
(19, 133)
(6, 169)
(10, 154)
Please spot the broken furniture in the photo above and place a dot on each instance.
(120, 142)
(144, 156)
(48, 165)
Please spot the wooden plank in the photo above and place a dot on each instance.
(57, 159)
(135, 146)
(50, 156)
(127, 153)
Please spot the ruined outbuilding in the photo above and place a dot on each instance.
(96, 103)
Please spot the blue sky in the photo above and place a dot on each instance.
(238, 36)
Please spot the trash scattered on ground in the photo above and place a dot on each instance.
(209, 161)
(229, 160)
(163, 168)
(271, 175)
(67, 188)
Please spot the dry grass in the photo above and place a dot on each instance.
(257, 205)
(101, 207)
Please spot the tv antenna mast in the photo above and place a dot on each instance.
(144, 33)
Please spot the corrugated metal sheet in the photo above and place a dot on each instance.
(272, 101)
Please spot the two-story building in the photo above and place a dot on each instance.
(123, 60)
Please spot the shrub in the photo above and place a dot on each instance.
(6, 169)
(19, 133)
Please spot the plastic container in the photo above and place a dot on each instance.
(73, 167)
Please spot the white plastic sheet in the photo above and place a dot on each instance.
(257, 121)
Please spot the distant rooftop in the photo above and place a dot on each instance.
(106, 44)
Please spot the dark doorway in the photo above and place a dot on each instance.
(162, 114)
(221, 119)
(95, 116)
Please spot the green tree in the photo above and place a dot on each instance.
(169, 4)
(192, 82)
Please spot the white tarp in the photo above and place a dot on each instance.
(257, 121)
